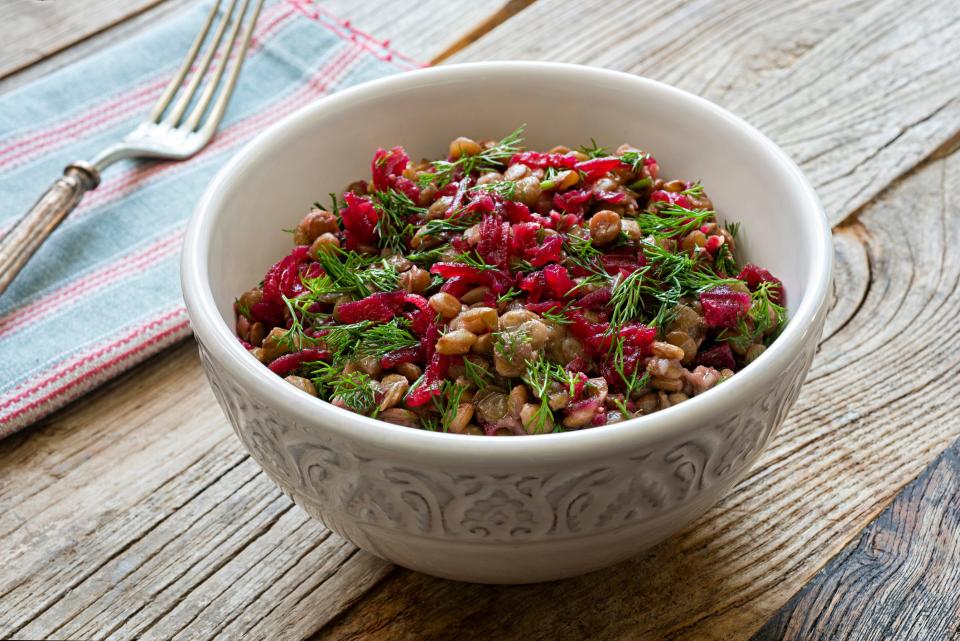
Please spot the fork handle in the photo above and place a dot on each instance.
(28, 233)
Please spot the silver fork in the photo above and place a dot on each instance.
(169, 132)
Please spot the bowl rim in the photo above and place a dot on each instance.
(218, 338)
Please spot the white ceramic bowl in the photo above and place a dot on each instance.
(512, 509)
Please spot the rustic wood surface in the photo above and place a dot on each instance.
(898, 581)
(135, 512)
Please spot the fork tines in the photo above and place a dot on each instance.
(238, 14)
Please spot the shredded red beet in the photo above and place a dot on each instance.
(290, 362)
(540, 160)
(719, 357)
(671, 197)
(359, 221)
(558, 280)
(598, 167)
(724, 307)
(379, 307)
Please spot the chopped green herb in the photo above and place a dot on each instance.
(242, 308)
(556, 315)
(509, 341)
(430, 256)
(444, 171)
(694, 191)
(594, 150)
(672, 220)
(539, 376)
(509, 295)
(457, 222)
(394, 210)
(473, 259)
(506, 189)
(477, 374)
(581, 252)
(447, 403)
(635, 159)
(762, 324)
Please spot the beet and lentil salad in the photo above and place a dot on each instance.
(505, 291)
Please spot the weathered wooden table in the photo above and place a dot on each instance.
(136, 512)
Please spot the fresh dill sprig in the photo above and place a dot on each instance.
(348, 272)
(472, 259)
(506, 189)
(665, 280)
(556, 315)
(635, 159)
(457, 222)
(444, 171)
(356, 390)
(343, 340)
(672, 220)
(724, 261)
(581, 252)
(626, 299)
(540, 375)
(550, 177)
(429, 256)
(242, 308)
(295, 337)
(366, 338)
(477, 374)
(387, 337)
(335, 204)
(733, 228)
(694, 191)
(632, 382)
(522, 266)
(509, 295)
(594, 150)
(447, 403)
(509, 341)
(430, 423)
(394, 209)
(757, 326)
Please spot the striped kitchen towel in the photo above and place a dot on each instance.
(103, 293)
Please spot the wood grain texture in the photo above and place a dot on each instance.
(898, 581)
(150, 521)
(858, 93)
(62, 53)
(875, 410)
(137, 514)
(36, 30)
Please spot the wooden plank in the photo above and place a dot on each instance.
(876, 409)
(137, 514)
(36, 30)
(858, 93)
(900, 580)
